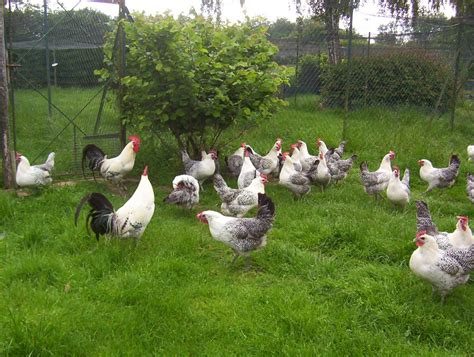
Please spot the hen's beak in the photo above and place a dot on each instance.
(420, 162)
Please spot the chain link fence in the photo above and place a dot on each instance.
(429, 67)
(57, 102)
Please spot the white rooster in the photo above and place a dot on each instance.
(439, 178)
(115, 168)
(237, 202)
(243, 235)
(398, 191)
(444, 269)
(377, 181)
(36, 175)
(185, 192)
(130, 220)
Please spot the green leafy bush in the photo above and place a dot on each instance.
(309, 73)
(196, 78)
(402, 78)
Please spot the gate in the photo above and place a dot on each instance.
(58, 103)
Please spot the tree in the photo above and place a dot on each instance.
(196, 78)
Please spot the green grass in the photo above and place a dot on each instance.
(333, 279)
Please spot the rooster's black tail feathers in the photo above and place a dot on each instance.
(100, 216)
(94, 155)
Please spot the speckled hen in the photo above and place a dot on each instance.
(185, 192)
(243, 235)
(444, 269)
(377, 181)
(237, 202)
(439, 178)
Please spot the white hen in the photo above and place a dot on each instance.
(470, 152)
(398, 191)
(36, 175)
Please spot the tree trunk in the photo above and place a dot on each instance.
(332, 28)
(7, 168)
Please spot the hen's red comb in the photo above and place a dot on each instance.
(420, 234)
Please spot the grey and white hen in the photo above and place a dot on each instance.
(439, 178)
(444, 269)
(470, 187)
(185, 192)
(243, 235)
(237, 202)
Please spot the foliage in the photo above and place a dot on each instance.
(309, 73)
(196, 78)
(408, 78)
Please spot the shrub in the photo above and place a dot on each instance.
(196, 78)
(309, 73)
(404, 78)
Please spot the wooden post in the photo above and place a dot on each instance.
(7, 168)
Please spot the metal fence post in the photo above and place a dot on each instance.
(46, 50)
(7, 168)
(349, 73)
(456, 71)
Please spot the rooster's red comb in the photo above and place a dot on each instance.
(134, 138)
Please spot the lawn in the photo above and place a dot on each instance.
(333, 278)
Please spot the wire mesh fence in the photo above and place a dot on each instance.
(428, 65)
(59, 104)
(57, 101)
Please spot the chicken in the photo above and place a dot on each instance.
(460, 238)
(439, 178)
(470, 152)
(235, 161)
(398, 192)
(335, 154)
(470, 187)
(113, 169)
(268, 163)
(130, 220)
(297, 182)
(323, 177)
(377, 181)
(339, 169)
(248, 171)
(200, 170)
(36, 175)
(462, 235)
(243, 235)
(237, 202)
(306, 159)
(296, 157)
(444, 269)
(185, 192)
